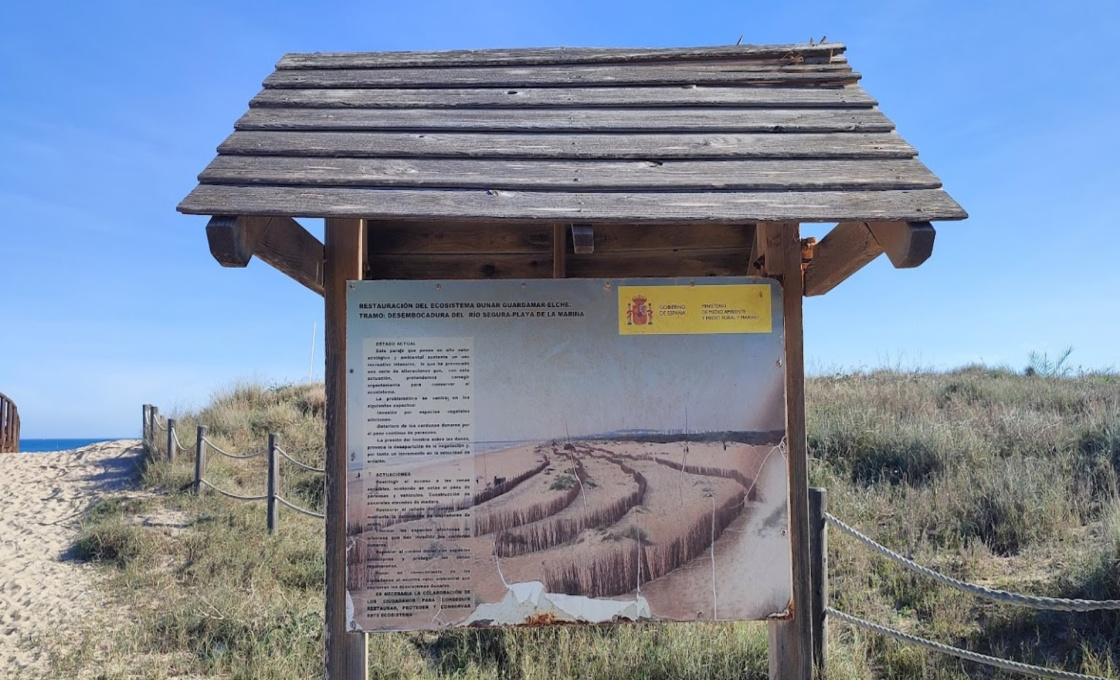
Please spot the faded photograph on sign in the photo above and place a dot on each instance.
(577, 450)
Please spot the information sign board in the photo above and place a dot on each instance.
(565, 450)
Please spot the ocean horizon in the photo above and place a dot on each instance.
(49, 445)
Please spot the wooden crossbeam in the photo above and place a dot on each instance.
(280, 241)
(841, 253)
(851, 245)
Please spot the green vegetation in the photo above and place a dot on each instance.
(985, 475)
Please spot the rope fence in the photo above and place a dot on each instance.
(234, 456)
(297, 463)
(154, 423)
(999, 596)
(961, 653)
(1055, 604)
(820, 519)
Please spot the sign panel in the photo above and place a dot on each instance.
(565, 450)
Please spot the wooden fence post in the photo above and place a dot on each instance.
(199, 459)
(818, 551)
(153, 416)
(273, 482)
(144, 425)
(170, 440)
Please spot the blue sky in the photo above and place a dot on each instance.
(110, 299)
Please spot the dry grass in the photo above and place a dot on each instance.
(986, 475)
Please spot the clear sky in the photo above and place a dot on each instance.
(108, 110)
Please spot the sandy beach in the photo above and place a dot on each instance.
(44, 595)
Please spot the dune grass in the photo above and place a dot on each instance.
(988, 476)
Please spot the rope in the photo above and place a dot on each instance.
(961, 653)
(233, 495)
(284, 453)
(1032, 601)
(233, 455)
(299, 509)
(179, 443)
(160, 425)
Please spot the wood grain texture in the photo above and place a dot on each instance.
(559, 251)
(714, 73)
(441, 238)
(650, 207)
(344, 250)
(572, 120)
(552, 145)
(559, 97)
(718, 262)
(566, 175)
(841, 253)
(906, 244)
(554, 55)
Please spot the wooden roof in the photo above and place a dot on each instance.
(715, 134)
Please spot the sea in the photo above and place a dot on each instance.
(47, 445)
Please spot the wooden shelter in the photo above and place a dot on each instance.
(569, 163)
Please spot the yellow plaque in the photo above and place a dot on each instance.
(694, 310)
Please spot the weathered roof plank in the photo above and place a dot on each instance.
(577, 97)
(553, 55)
(575, 120)
(715, 135)
(563, 175)
(546, 145)
(652, 207)
(716, 73)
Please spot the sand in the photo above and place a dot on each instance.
(45, 597)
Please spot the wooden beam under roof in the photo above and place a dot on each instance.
(907, 244)
(851, 245)
(280, 241)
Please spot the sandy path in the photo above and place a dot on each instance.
(42, 499)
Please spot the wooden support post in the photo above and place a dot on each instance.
(170, 440)
(357, 655)
(818, 549)
(559, 251)
(345, 252)
(144, 425)
(273, 483)
(791, 640)
(199, 459)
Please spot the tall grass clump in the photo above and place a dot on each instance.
(983, 474)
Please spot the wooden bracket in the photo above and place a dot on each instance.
(851, 245)
(280, 241)
(907, 244)
(583, 239)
